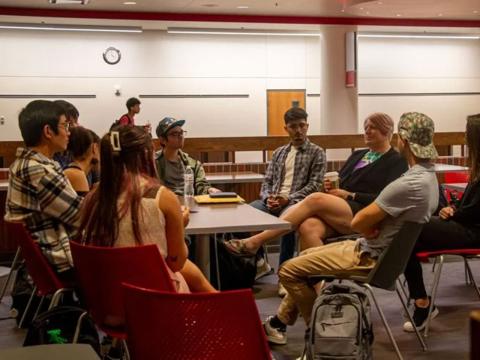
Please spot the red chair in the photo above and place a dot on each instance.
(45, 279)
(207, 326)
(456, 177)
(100, 272)
(439, 258)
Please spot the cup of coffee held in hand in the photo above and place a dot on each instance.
(333, 178)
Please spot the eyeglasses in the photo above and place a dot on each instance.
(65, 125)
(177, 133)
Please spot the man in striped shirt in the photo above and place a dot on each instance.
(39, 195)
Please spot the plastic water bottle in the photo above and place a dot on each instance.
(188, 191)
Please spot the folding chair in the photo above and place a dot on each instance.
(100, 272)
(389, 266)
(439, 257)
(210, 326)
(45, 279)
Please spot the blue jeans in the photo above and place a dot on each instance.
(287, 242)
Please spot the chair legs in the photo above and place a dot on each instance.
(436, 280)
(27, 308)
(78, 327)
(384, 320)
(14, 263)
(405, 308)
(468, 269)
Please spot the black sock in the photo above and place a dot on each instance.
(277, 324)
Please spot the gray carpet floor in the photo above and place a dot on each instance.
(448, 339)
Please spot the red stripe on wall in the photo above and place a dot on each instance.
(152, 16)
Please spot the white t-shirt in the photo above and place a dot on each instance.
(289, 171)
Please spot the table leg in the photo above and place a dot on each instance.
(202, 255)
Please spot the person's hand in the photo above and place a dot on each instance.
(213, 190)
(340, 193)
(272, 202)
(446, 212)
(372, 234)
(327, 185)
(185, 215)
(277, 203)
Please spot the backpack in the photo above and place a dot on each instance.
(236, 271)
(57, 326)
(340, 327)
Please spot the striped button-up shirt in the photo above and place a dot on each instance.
(310, 163)
(40, 196)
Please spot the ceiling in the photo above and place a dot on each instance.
(156, 12)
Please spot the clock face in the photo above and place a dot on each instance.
(111, 55)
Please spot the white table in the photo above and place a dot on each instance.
(238, 178)
(455, 186)
(222, 218)
(50, 352)
(443, 168)
(3, 185)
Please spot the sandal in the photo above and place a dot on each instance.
(237, 247)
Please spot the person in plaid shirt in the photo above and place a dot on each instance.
(39, 194)
(295, 171)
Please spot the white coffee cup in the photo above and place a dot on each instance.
(332, 176)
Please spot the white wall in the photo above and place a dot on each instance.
(158, 63)
(420, 66)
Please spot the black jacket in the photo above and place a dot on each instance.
(468, 213)
(370, 180)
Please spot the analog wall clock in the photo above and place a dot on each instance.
(112, 55)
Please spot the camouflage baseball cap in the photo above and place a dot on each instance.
(418, 129)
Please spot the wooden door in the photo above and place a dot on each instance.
(278, 102)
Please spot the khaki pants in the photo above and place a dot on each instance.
(331, 259)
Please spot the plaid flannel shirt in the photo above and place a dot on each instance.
(40, 196)
(310, 163)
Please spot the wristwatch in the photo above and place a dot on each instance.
(351, 196)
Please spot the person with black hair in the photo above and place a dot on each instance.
(83, 148)
(39, 194)
(133, 107)
(71, 112)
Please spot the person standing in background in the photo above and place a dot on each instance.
(133, 107)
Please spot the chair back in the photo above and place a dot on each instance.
(41, 272)
(211, 326)
(456, 177)
(392, 262)
(101, 270)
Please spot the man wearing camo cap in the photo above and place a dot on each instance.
(418, 129)
(413, 197)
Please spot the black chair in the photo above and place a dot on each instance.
(390, 265)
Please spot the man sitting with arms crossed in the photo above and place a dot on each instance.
(39, 194)
(412, 197)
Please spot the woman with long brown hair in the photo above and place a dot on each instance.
(454, 228)
(129, 207)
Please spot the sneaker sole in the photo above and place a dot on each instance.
(274, 340)
(410, 328)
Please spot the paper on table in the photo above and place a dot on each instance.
(206, 199)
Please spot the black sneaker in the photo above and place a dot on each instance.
(420, 316)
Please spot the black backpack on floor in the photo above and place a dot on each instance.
(57, 326)
(236, 271)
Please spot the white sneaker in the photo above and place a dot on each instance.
(282, 292)
(263, 268)
(275, 336)
(420, 317)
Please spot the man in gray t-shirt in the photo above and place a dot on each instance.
(412, 197)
